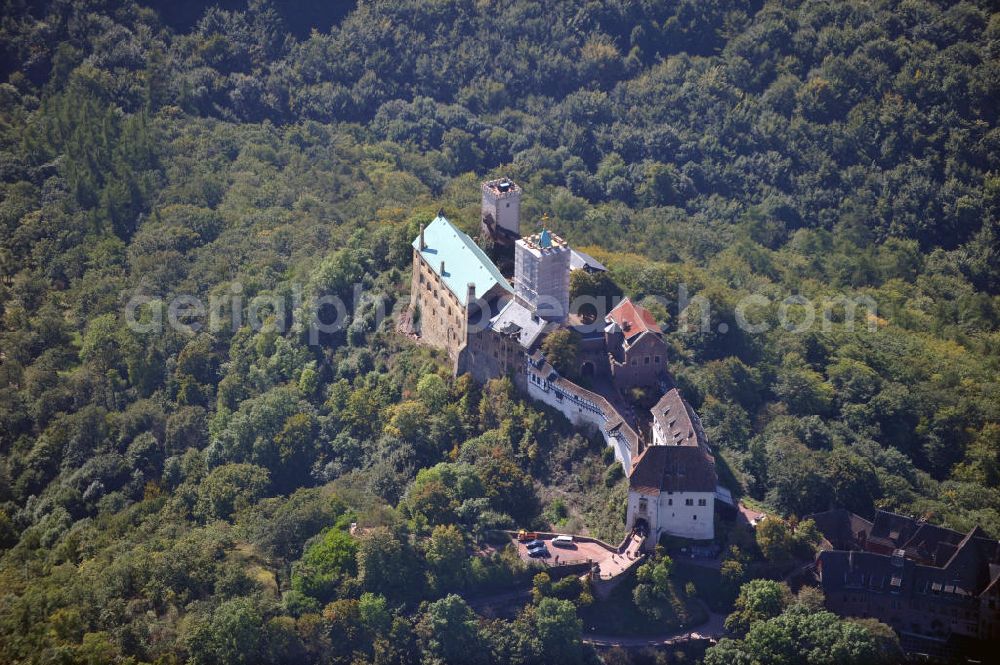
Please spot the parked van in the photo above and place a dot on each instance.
(562, 541)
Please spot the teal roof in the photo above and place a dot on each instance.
(545, 240)
(464, 261)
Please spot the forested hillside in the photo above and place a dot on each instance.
(177, 496)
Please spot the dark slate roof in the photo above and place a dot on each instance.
(678, 420)
(891, 529)
(972, 568)
(686, 463)
(932, 544)
(866, 570)
(969, 565)
(673, 469)
(994, 576)
(841, 527)
(581, 261)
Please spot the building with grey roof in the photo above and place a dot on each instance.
(581, 261)
(939, 589)
(516, 319)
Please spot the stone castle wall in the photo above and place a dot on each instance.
(669, 513)
(582, 407)
(642, 364)
(438, 315)
(489, 355)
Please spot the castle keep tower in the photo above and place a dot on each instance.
(501, 219)
(541, 275)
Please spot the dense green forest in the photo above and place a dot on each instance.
(187, 496)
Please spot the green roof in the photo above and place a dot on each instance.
(464, 261)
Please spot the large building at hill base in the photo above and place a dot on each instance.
(939, 589)
(491, 326)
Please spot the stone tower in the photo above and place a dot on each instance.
(541, 275)
(501, 211)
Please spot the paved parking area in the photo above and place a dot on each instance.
(582, 551)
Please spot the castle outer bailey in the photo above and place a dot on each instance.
(492, 326)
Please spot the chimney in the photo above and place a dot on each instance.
(423, 245)
(472, 293)
(442, 268)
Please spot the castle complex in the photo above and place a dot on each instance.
(492, 326)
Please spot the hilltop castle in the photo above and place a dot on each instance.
(492, 326)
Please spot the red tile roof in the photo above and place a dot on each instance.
(632, 319)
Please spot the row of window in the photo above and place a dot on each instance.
(430, 274)
(441, 304)
(439, 298)
(635, 361)
(433, 280)
(644, 507)
(560, 395)
(689, 502)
